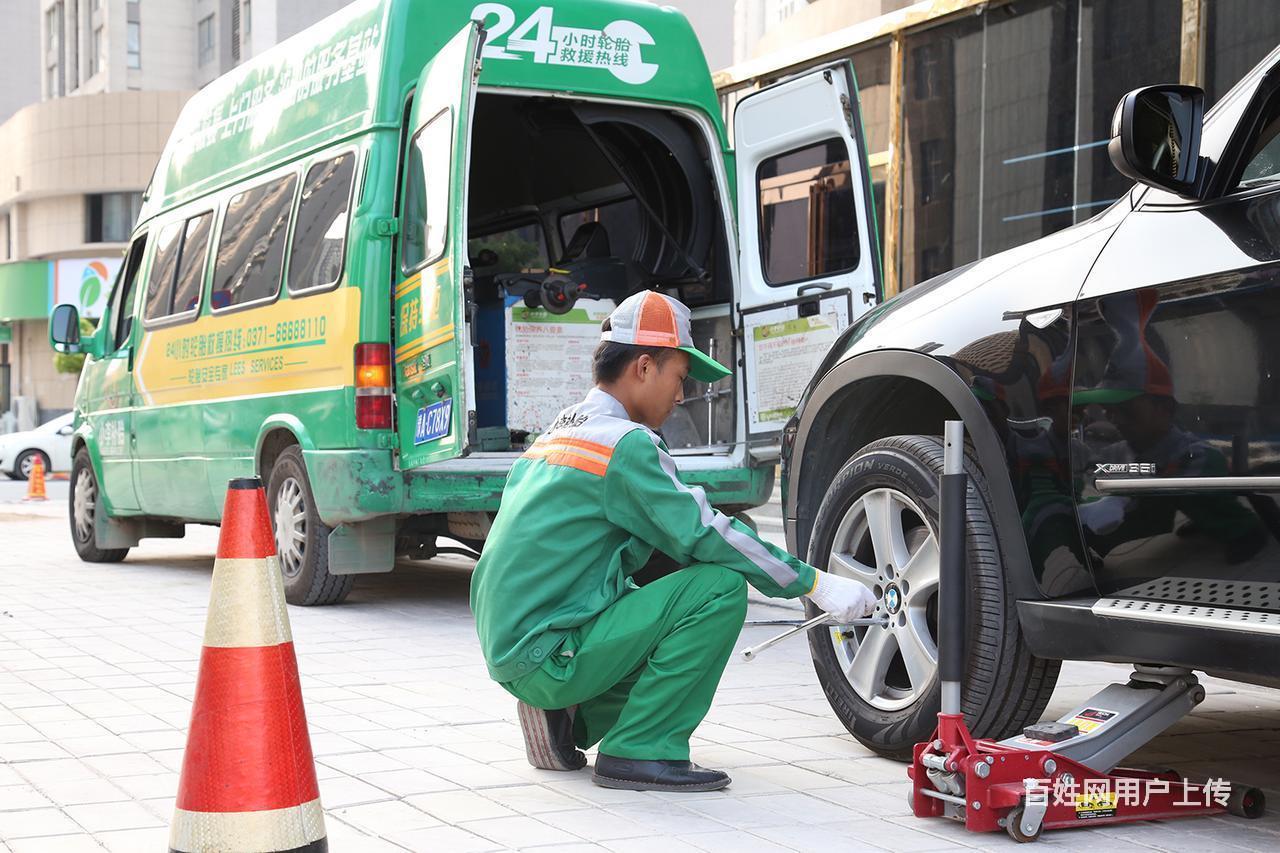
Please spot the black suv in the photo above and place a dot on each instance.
(1119, 383)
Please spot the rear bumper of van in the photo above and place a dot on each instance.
(358, 485)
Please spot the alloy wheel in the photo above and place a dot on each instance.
(885, 542)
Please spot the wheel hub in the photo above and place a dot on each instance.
(885, 542)
(892, 599)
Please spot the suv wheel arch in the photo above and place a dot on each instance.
(831, 413)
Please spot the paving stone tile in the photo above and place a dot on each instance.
(38, 822)
(442, 838)
(459, 806)
(347, 791)
(20, 797)
(83, 843)
(104, 817)
(386, 817)
(519, 832)
(74, 792)
(408, 781)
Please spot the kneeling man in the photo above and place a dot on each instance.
(592, 657)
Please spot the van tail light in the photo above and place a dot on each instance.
(373, 386)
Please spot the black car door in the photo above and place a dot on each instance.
(1175, 401)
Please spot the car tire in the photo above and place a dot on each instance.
(302, 539)
(893, 483)
(26, 459)
(83, 508)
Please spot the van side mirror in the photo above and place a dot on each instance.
(1155, 137)
(64, 329)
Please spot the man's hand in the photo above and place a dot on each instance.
(843, 598)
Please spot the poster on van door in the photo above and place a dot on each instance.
(783, 349)
(85, 283)
(549, 360)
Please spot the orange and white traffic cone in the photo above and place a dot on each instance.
(35, 483)
(248, 777)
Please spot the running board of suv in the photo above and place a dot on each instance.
(1241, 643)
(1225, 618)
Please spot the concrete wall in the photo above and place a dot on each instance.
(818, 18)
(20, 46)
(99, 143)
(713, 22)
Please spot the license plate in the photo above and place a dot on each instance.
(434, 421)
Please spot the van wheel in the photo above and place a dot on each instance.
(302, 539)
(878, 524)
(83, 509)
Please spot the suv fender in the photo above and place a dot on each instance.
(824, 399)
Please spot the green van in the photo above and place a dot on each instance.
(372, 261)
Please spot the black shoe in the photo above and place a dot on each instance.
(548, 738)
(631, 774)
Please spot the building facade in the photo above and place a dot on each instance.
(105, 81)
(987, 120)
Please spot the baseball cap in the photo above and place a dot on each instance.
(651, 319)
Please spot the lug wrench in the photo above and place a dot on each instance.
(818, 621)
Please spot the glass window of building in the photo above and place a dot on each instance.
(96, 52)
(942, 160)
(321, 229)
(251, 247)
(1238, 34)
(109, 217)
(1123, 45)
(204, 40)
(1028, 133)
(135, 44)
(808, 217)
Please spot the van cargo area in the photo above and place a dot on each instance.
(572, 207)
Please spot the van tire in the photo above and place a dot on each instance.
(83, 533)
(1005, 687)
(305, 568)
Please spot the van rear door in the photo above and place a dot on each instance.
(809, 256)
(432, 395)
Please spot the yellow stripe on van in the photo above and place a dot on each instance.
(406, 287)
(440, 336)
(290, 345)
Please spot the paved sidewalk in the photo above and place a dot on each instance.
(416, 749)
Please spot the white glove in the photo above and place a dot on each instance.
(842, 598)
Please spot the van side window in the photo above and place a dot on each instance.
(319, 236)
(163, 267)
(178, 268)
(124, 300)
(426, 199)
(808, 217)
(195, 251)
(251, 249)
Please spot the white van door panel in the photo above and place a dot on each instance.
(808, 258)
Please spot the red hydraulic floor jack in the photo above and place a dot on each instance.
(1060, 774)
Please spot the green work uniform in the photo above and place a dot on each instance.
(560, 621)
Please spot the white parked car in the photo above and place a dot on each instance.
(50, 441)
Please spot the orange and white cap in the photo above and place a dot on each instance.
(650, 319)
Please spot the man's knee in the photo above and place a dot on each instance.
(725, 585)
